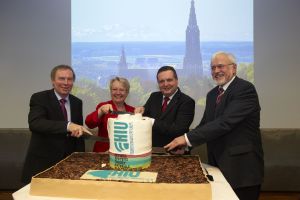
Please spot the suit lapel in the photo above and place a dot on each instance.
(211, 104)
(158, 101)
(72, 108)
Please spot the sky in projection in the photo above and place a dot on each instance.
(160, 20)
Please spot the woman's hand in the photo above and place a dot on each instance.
(104, 109)
(139, 110)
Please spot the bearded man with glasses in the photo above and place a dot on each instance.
(230, 127)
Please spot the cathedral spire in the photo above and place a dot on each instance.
(123, 67)
(122, 61)
(192, 62)
(192, 17)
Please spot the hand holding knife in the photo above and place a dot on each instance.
(85, 130)
(76, 130)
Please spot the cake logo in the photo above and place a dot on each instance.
(135, 176)
(121, 162)
(121, 136)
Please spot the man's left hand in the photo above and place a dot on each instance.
(178, 142)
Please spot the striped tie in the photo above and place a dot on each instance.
(220, 94)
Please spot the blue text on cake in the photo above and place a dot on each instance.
(105, 174)
(121, 136)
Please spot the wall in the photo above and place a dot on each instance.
(276, 54)
(35, 36)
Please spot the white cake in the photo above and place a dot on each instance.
(130, 139)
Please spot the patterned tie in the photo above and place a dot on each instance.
(165, 104)
(63, 108)
(220, 94)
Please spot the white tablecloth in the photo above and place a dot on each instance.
(221, 190)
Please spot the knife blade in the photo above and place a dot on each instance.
(209, 177)
(159, 151)
(115, 112)
(95, 138)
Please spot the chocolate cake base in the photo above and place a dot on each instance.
(178, 177)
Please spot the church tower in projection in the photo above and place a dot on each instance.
(192, 62)
(123, 67)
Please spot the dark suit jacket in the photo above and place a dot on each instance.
(231, 130)
(50, 141)
(172, 123)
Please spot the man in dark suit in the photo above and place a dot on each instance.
(56, 128)
(230, 127)
(173, 116)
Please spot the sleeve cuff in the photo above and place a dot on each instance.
(187, 140)
(68, 125)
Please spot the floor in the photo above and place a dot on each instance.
(280, 196)
(7, 195)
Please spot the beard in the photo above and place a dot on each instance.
(220, 80)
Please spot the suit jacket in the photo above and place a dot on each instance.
(50, 141)
(231, 130)
(172, 123)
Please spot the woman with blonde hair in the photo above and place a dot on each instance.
(119, 90)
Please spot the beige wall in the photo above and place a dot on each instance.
(277, 68)
(35, 36)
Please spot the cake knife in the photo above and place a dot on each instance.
(210, 177)
(159, 151)
(95, 138)
(115, 112)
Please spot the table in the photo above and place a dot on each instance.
(221, 189)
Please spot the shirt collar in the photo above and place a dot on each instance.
(59, 97)
(170, 97)
(225, 86)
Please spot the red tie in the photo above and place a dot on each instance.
(220, 94)
(63, 108)
(165, 104)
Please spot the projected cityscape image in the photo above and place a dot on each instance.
(133, 39)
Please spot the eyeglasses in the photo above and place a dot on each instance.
(220, 66)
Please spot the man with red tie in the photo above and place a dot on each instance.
(230, 127)
(172, 110)
(55, 120)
